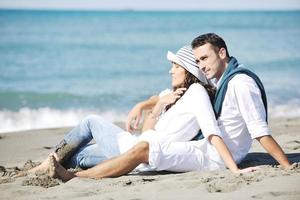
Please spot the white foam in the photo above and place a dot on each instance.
(290, 110)
(27, 119)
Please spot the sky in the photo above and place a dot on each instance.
(153, 4)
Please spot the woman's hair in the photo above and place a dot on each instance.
(188, 81)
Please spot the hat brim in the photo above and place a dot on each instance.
(197, 73)
(173, 58)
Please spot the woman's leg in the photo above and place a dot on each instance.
(104, 132)
(86, 157)
(106, 135)
(95, 127)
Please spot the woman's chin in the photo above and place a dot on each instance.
(175, 85)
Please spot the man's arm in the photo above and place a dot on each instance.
(248, 97)
(272, 147)
(135, 114)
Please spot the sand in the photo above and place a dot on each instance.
(23, 150)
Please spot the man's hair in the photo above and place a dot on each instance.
(212, 39)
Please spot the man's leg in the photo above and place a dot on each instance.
(113, 167)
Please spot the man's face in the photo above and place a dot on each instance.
(210, 61)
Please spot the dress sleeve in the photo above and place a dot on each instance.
(250, 105)
(201, 106)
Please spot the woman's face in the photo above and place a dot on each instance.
(178, 75)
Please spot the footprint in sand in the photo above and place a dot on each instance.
(292, 145)
(229, 183)
(289, 194)
(42, 181)
(6, 180)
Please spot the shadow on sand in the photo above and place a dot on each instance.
(258, 158)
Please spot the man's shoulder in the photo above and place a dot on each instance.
(242, 85)
(240, 80)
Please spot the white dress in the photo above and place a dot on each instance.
(192, 112)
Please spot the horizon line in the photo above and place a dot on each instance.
(150, 10)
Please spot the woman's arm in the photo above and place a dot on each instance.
(224, 152)
(135, 114)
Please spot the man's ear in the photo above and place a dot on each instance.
(222, 53)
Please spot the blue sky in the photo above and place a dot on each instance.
(154, 4)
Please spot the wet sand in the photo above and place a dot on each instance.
(269, 182)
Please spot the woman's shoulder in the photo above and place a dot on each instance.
(196, 93)
(196, 88)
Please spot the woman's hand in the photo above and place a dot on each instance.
(134, 118)
(172, 97)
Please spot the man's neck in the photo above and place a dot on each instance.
(224, 69)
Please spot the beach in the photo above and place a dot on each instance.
(59, 66)
(269, 182)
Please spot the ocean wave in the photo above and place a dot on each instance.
(45, 117)
(290, 110)
(27, 118)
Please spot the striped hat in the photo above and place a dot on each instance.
(186, 59)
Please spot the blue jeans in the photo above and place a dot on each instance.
(103, 132)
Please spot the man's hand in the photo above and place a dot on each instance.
(135, 114)
(134, 118)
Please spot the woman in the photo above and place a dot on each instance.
(176, 116)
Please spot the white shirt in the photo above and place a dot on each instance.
(181, 122)
(243, 116)
(184, 119)
(242, 119)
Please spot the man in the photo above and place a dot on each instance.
(243, 113)
(241, 110)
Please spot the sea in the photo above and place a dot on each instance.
(56, 67)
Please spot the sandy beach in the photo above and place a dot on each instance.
(269, 182)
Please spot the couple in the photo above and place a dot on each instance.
(175, 119)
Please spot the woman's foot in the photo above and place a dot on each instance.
(43, 167)
(56, 170)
